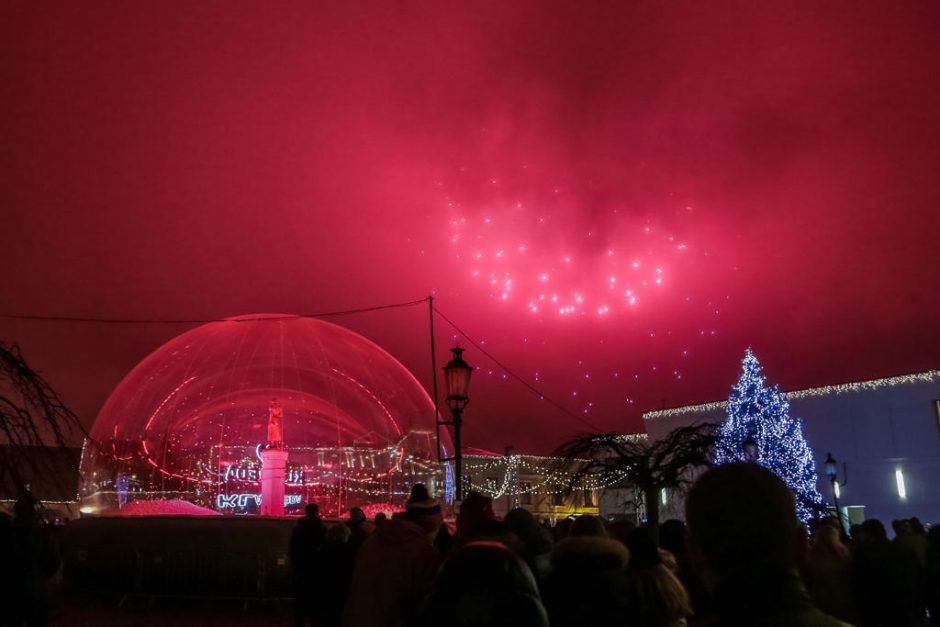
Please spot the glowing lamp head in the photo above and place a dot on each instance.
(457, 376)
(831, 467)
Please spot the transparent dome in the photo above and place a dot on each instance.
(189, 421)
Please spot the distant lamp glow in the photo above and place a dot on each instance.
(831, 468)
(87, 510)
(663, 496)
(899, 477)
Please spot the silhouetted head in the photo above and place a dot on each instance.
(672, 537)
(643, 551)
(423, 510)
(872, 531)
(475, 515)
(24, 510)
(312, 510)
(356, 515)
(741, 517)
(484, 584)
(587, 526)
(380, 518)
(522, 524)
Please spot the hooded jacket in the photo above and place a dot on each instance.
(393, 572)
(587, 584)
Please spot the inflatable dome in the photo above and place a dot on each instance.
(191, 421)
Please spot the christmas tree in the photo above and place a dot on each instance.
(758, 428)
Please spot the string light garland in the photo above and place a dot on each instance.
(931, 376)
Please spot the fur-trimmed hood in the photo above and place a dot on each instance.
(593, 551)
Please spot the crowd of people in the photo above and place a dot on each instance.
(741, 558)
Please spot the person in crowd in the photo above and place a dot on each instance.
(745, 545)
(396, 566)
(674, 538)
(655, 594)
(358, 527)
(827, 573)
(332, 576)
(33, 560)
(912, 538)
(484, 584)
(887, 579)
(477, 521)
(932, 574)
(587, 584)
(305, 542)
(380, 519)
(533, 543)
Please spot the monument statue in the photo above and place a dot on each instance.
(275, 429)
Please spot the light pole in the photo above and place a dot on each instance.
(457, 376)
(832, 471)
(749, 447)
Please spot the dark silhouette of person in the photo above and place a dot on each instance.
(33, 560)
(587, 584)
(887, 579)
(533, 542)
(746, 545)
(484, 584)
(933, 574)
(395, 566)
(657, 597)
(674, 537)
(357, 527)
(332, 576)
(305, 543)
(380, 519)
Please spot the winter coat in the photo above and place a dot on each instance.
(587, 584)
(828, 579)
(764, 599)
(305, 542)
(393, 572)
(888, 583)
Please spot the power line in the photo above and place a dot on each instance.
(512, 374)
(93, 320)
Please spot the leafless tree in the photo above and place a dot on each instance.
(35, 426)
(634, 461)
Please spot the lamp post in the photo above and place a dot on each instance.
(749, 446)
(832, 471)
(457, 377)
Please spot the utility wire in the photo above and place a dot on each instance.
(512, 374)
(322, 314)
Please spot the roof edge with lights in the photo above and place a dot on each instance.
(828, 390)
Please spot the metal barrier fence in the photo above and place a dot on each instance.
(163, 557)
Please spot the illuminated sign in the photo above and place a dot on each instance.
(251, 472)
(241, 501)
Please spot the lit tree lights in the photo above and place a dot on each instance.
(759, 417)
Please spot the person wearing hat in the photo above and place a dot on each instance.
(358, 528)
(396, 566)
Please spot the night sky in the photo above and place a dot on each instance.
(616, 199)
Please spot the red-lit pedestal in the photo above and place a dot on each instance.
(273, 472)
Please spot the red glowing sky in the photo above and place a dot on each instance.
(616, 199)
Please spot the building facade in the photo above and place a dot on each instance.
(884, 435)
(535, 483)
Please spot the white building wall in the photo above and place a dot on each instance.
(876, 428)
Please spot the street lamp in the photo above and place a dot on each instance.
(832, 471)
(750, 448)
(457, 376)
